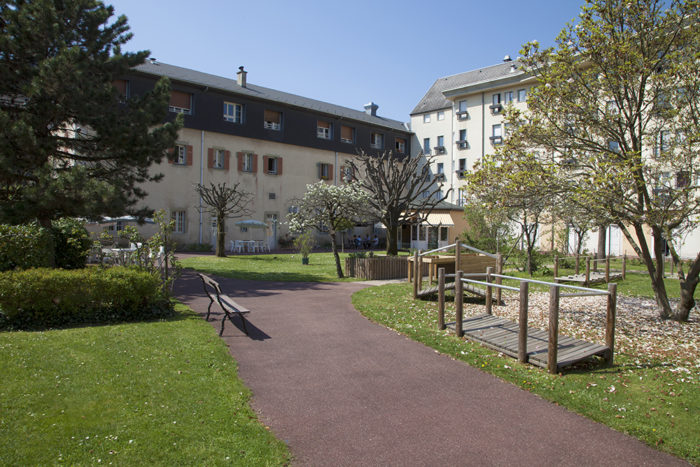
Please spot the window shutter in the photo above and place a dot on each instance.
(210, 158)
(319, 170)
(189, 155)
(181, 99)
(239, 155)
(265, 162)
(330, 171)
(227, 156)
(279, 166)
(255, 163)
(170, 155)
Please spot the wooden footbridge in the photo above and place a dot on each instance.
(591, 276)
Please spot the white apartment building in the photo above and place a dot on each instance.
(460, 120)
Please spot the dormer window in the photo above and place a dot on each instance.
(400, 145)
(180, 102)
(233, 112)
(272, 120)
(376, 140)
(324, 130)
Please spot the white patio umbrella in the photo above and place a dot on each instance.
(252, 224)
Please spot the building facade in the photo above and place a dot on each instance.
(272, 143)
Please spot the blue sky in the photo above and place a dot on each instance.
(346, 53)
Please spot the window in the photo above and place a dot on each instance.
(496, 106)
(496, 99)
(496, 134)
(508, 97)
(507, 128)
(614, 146)
(347, 134)
(272, 165)
(440, 168)
(426, 118)
(426, 145)
(219, 159)
(180, 155)
(522, 95)
(441, 115)
(233, 112)
(247, 162)
(122, 87)
(462, 142)
(348, 174)
(376, 140)
(179, 218)
(682, 179)
(400, 145)
(324, 130)
(180, 102)
(662, 143)
(421, 233)
(611, 108)
(462, 113)
(440, 149)
(461, 168)
(272, 120)
(443, 234)
(325, 171)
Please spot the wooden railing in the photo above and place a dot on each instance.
(379, 267)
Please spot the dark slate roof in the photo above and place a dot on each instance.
(435, 100)
(231, 85)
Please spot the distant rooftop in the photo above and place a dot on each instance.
(434, 99)
(230, 85)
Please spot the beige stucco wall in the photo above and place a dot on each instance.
(176, 192)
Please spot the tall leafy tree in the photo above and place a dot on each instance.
(617, 105)
(330, 209)
(401, 189)
(224, 202)
(72, 144)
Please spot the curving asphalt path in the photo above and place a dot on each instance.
(340, 390)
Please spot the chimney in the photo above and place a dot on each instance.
(241, 77)
(507, 58)
(371, 109)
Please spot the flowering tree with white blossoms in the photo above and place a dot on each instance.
(330, 209)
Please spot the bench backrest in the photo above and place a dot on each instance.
(209, 282)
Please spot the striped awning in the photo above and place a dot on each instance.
(436, 219)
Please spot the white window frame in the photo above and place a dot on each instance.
(400, 145)
(426, 118)
(462, 138)
(426, 146)
(376, 140)
(180, 154)
(272, 125)
(441, 115)
(219, 158)
(324, 132)
(233, 112)
(271, 160)
(522, 95)
(247, 162)
(497, 130)
(350, 140)
(180, 218)
(324, 171)
(496, 98)
(508, 97)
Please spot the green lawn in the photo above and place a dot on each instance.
(651, 400)
(155, 393)
(280, 267)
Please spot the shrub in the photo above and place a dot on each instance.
(71, 243)
(24, 246)
(53, 297)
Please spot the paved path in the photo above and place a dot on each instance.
(341, 390)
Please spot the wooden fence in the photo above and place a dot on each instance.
(379, 267)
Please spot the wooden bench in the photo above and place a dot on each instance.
(226, 303)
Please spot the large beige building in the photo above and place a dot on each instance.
(270, 142)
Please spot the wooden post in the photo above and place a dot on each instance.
(415, 275)
(458, 254)
(595, 264)
(610, 322)
(419, 274)
(588, 270)
(522, 323)
(624, 267)
(459, 303)
(499, 281)
(489, 292)
(556, 267)
(607, 269)
(441, 299)
(578, 263)
(553, 329)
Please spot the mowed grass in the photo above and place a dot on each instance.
(652, 401)
(151, 393)
(271, 267)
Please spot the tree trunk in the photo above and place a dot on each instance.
(688, 285)
(392, 248)
(338, 268)
(220, 237)
(602, 233)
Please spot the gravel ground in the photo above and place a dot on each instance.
(638, 329)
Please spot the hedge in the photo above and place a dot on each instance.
(71, 243)
(24, 246)
(54, 297)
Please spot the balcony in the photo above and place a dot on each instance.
(462, 144)
(462, 115)
(496, 140)
(496, 108)
(440, 150)
(461, 174)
